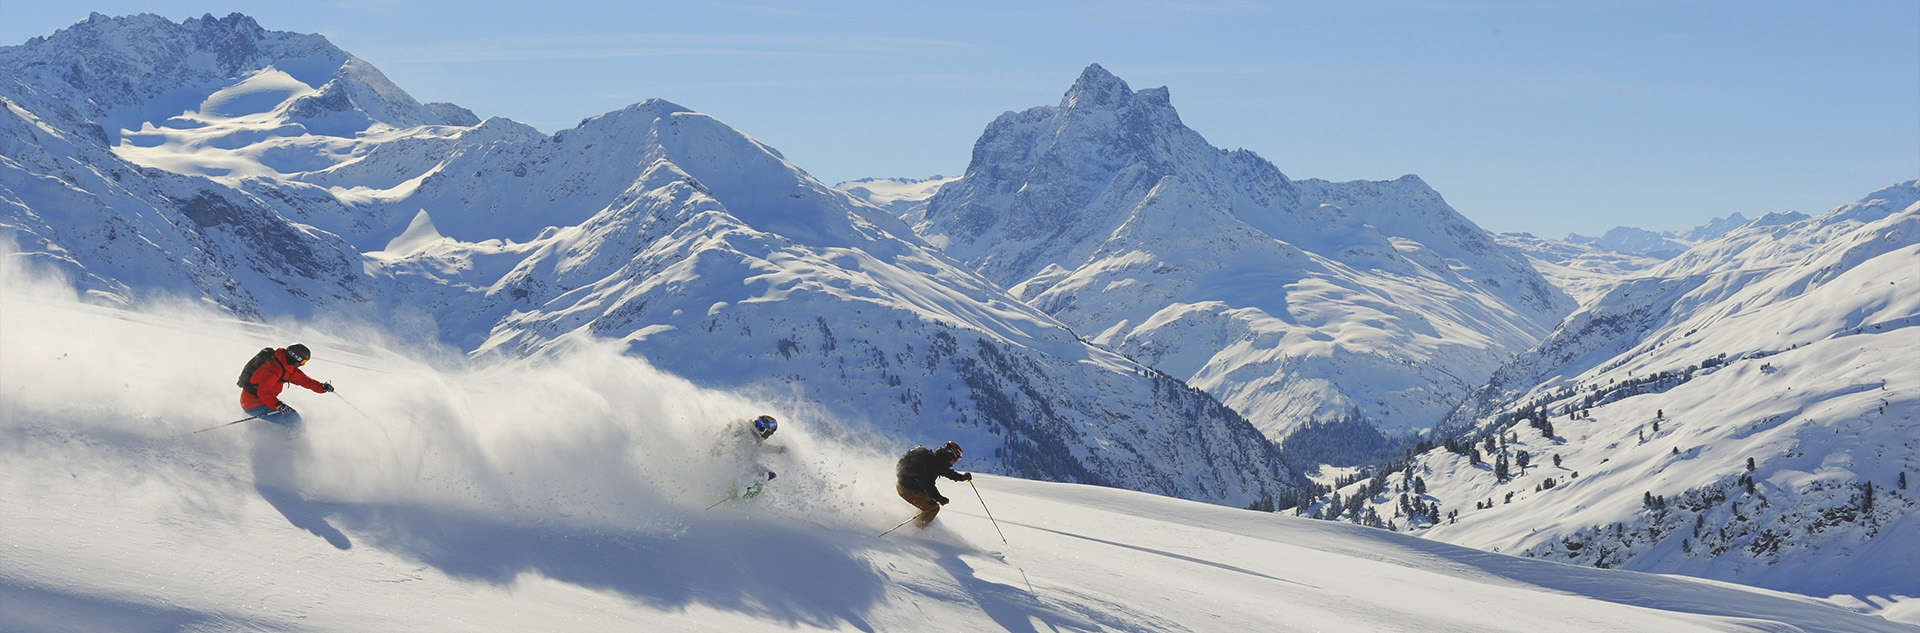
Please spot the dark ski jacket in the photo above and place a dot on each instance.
(919, 466)
(270, 378)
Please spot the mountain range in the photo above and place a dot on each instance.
(275, 175)
(1293, 302)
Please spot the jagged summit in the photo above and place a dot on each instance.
(1096, 86)
(1066, 204)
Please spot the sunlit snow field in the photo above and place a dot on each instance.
(436, 493)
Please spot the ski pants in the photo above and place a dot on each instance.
(921, 500)
(288, 418)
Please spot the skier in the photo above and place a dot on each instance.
(267, 373)
(742, 444)
(916, 471)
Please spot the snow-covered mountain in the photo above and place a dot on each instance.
(1665, 244)
(1583, 271)
(1748, 411)
(277, 176)
(899, 196)
(1633, 241)
(1291, 301)
(569, 494)
(1713, 228)
(113, 126)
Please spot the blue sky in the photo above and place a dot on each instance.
(1547, 117)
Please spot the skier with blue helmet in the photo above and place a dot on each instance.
(742, 444)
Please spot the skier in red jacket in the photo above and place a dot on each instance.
(268, 373)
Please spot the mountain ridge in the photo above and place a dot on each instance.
(1055, 201)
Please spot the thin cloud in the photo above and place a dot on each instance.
(762, 9)
(622, 45)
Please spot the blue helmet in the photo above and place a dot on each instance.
(765, 425)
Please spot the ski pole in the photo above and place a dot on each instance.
(716, 504)
(217, 426)
(996, 528)
(364, 416)
(356, 409)
(392, 449)
(901, 525)
(983, 506)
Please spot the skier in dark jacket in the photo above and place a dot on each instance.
(916, 471)
(267, 374)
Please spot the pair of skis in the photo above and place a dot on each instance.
(996, 529)
(255, 417)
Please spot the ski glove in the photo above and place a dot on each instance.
(966, 476)
(326, 387)
(941, 500)
(283, 408)
(770, 475)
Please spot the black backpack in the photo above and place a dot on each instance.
(910, 464)
(264, 356)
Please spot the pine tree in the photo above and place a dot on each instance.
(1749, 464)
(1556, 460)
(1903, 480)
(1660, 414)
(1866, 505)
(1419, 485)
(1656, 426)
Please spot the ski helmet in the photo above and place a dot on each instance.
(299, 354)
(952, 449)
(765, 425)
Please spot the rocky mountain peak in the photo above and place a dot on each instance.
(1096, 87)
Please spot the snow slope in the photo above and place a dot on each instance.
(1290, 301)
(1748, 411)
(435, 494)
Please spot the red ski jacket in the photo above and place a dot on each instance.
(270, 378)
